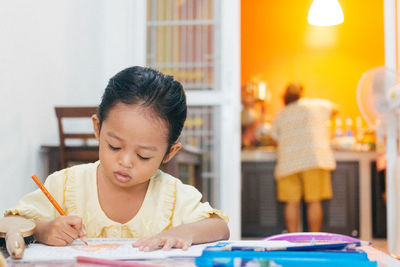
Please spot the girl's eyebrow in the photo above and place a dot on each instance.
(114, 136)
(153, 148)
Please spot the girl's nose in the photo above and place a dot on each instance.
(125, 160)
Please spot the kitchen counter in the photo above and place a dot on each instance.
(269, 154)
(363, 160)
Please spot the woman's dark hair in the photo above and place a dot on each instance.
(150, 88)
(292, 93)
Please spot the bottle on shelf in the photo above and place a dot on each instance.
(338, 127)
(349, 127)
(359, 129)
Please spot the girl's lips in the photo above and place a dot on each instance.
(122, 178)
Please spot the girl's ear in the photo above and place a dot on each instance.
(96, 126)
(172, 151)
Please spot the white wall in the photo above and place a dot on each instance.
(56, 53)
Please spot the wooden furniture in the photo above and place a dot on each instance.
(186, 165)
(81, 153)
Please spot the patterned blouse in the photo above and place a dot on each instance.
(301, 132)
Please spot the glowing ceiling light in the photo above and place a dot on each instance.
(325, 13)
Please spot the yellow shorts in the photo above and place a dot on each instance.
(314, 184)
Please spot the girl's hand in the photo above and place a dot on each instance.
(61, 231)
(165, 240)
(183, 236)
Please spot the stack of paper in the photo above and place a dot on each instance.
(106, 248)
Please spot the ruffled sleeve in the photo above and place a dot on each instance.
(189, 208)
(170, 203)
(35, 205)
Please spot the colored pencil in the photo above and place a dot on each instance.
(51, 199)
(83, 259)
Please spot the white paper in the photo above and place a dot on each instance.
(107, 248)
(121, 249)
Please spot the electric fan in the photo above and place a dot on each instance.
(378, 92)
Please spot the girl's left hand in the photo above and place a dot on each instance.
(164, 241)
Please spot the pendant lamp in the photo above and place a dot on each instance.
(325, 13)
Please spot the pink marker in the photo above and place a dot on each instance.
(83, 259)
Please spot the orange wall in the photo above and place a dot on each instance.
(279, 46)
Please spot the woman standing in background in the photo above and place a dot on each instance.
(304, 156)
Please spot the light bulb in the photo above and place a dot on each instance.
(325, 13)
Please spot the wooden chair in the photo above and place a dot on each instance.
(76, 153)
(187, 166)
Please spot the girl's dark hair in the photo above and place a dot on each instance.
(150, 88)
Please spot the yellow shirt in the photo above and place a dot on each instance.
(301, 132)
(168, 203)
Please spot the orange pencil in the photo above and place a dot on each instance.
(52, 200)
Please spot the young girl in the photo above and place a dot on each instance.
(124, 194)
